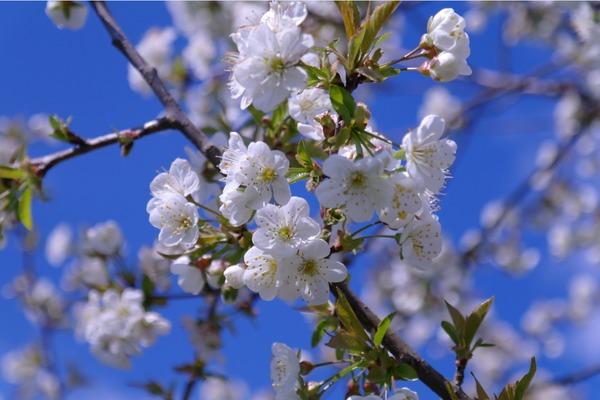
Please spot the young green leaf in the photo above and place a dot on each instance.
(343, 102)
(523, 383)
(24, 208)
(347, 317)
(12, 173)
(350, 16)
(382, 329)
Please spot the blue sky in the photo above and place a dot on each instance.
(80, 74)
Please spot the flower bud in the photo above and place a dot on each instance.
(67, 14)
(234, 276)
(446, 67)
(306, 367)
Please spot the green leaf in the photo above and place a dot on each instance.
(348, 318)
(350, 16)
(457, 318)
(405, 372)
(320, 331)
(481, 393)
(12, 173)
(347, 341)
(375, 22)
(523, 383)
(279, 114)
(343, 102)
(382, 329)
(475, 319)
(449, 329)
(366, 37)
(302, 155)
(24, 209)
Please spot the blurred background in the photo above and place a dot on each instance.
(519, 213)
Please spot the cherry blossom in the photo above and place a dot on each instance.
(176, 218)
(262, 273)
(356, 187)
(67, 14)
(428, 156)
(266, 69)
(308, 273)
(305, 107)
(190, 278)
(281, 229)
(285, 371)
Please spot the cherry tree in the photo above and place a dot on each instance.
(287, 186)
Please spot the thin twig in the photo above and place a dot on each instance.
(173, 110)
(42, 165)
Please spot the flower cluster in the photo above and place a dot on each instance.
(266, 68)
(117, 326)
(447, 38)
(401, 197)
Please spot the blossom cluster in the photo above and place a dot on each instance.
(117, 326)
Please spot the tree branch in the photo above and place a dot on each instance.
(401, 350)
(172, 109)
(42, 165)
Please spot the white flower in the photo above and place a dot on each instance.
(357, 187)
(199, 53)
(266, 173)
(427, 155)
(155, 267)
(219, 389)
(104, 239)
(284, 14)
(305, 107)
(439, 101)
(117, 326)
(447, 66)
(191, 278)
(67, 14)
(404, 394)
(180, 179)
(176, 218)
(401, 394)
(253, 176)
(261, 275)
(234, 276)
(266, 69)
(308, 273)
(22, 365)
(421, 241)
(237, 205)
(215, 273)
(446, 32)
(87, 272)
(282, 229)
(58, 244)
(285, 370)
(405, 201)
(156, 48)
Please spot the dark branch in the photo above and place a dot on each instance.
(172, 109)
(42, 165)
(401, 350)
